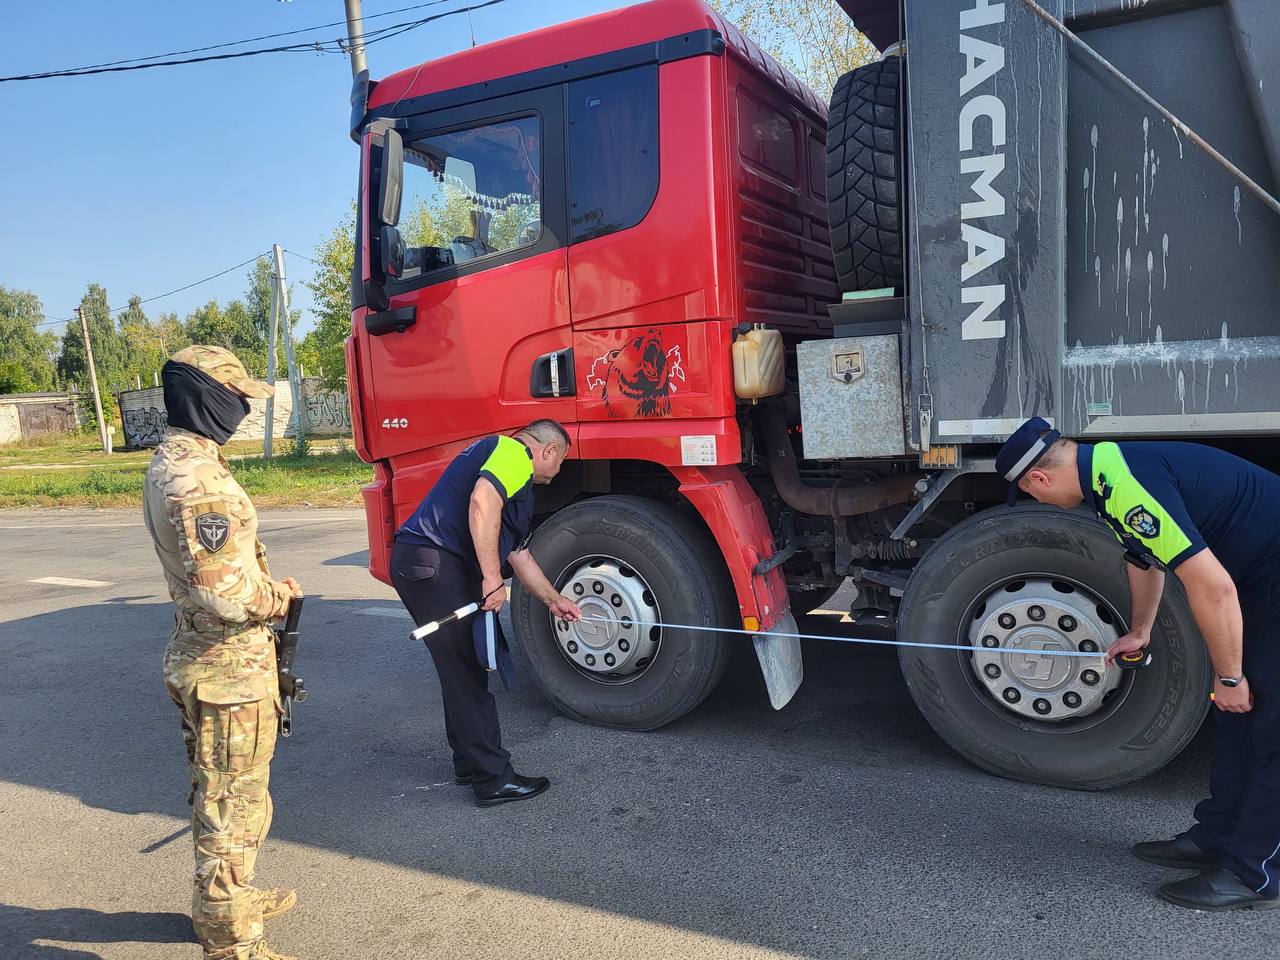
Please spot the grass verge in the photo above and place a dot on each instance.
(74, 472)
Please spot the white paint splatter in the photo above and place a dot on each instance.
(1151, 263)
(1146, 157)
(1135, 211)
(1093, 198)
(1239, 226)
(1182, 391)
(1225, 338)
(1164, 261)
(1119, 227)
(1128, 272)
(1086, 219)
(1179, 136)
(1097, 274)
(1159, 335)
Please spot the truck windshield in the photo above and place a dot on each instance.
(471, 193)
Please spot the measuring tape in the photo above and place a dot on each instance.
(1125, 661)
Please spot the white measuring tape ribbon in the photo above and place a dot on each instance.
(871, 641)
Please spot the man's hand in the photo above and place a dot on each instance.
(495, 593)
(1236, 699)
(1129, 643)
(565, 609)
(293, 585)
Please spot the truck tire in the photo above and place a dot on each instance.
(1043, 578)
(628, 559)
(864, 178)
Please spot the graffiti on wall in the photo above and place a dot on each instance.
(144, 426)
(328, 413)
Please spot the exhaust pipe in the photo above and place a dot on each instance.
(833, 501)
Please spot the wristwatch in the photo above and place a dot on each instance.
(1231, 681)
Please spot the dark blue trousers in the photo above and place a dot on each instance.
(1241, 817)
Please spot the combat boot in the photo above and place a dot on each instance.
(276, 901)
(262, 952)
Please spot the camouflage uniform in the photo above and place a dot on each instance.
(219, 667)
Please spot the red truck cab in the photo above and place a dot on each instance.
(589, 214)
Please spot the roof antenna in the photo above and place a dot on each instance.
(471, 23)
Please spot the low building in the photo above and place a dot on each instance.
(24, 416)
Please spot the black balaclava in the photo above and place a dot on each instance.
(197, 402)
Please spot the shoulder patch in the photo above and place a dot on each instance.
(1143, 522)
(212, 530)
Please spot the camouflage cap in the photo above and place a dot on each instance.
(223, 365)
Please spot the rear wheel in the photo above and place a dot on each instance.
(864, 178)
(1022, 583)
(631, 564)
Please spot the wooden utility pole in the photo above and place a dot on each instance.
(295, 386)
(93, 379)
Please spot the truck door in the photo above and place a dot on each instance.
(482, 334)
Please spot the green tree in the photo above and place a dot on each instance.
(29, 352)
(110, 355)
(322, 350)
(143, 342)
(814, 39)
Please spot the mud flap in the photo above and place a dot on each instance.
(780, 661)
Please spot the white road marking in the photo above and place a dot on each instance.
(71, 582)
(264, 521)
(46, 526)
(384, 612)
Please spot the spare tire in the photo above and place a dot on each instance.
(864, 178)
(1035, 579)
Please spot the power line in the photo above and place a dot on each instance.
(301, 257)
(336, 45)
(266, 36)
(161, 296)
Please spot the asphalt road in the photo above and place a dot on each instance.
(838, 827)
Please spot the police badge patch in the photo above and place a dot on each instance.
(1142, 522)
(212, 530)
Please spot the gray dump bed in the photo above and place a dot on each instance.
(1108, 274)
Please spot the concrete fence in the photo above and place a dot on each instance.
(326, 412)
(27, 415)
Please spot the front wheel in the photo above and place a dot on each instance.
(1023, 584)
(631, 565)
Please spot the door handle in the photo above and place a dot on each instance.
(552, 375)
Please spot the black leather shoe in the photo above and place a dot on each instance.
(1216, 890)
(1181, 853)
(518, 788)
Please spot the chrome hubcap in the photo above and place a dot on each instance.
(617, 638)
(1021, 625)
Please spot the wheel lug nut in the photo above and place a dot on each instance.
(591, 661)
(1036, 613)
(992, 671)
(1007, 620)
(1088, 646)
(573, 646)
(1041, 706)
(1012, 695)
(990, 641)
(597, 587)
(610, 659)
(616, 600)
(1090, 677)
(626, 623)
(624, 645)
(1071, 699)
(562, 626)
(1066, 624)
(578, 590)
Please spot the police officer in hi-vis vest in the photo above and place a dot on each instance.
(220, 666)
(1214, 520)
(450, 553)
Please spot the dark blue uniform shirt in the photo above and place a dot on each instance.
(442, 519)
(1168, 501)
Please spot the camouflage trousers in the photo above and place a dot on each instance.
(224, 684)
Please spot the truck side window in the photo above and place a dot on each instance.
(613, 151)
(471, 193)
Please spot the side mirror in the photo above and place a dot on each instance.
(391, 182)
(392, 247)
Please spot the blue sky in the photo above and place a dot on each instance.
(146, 181)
